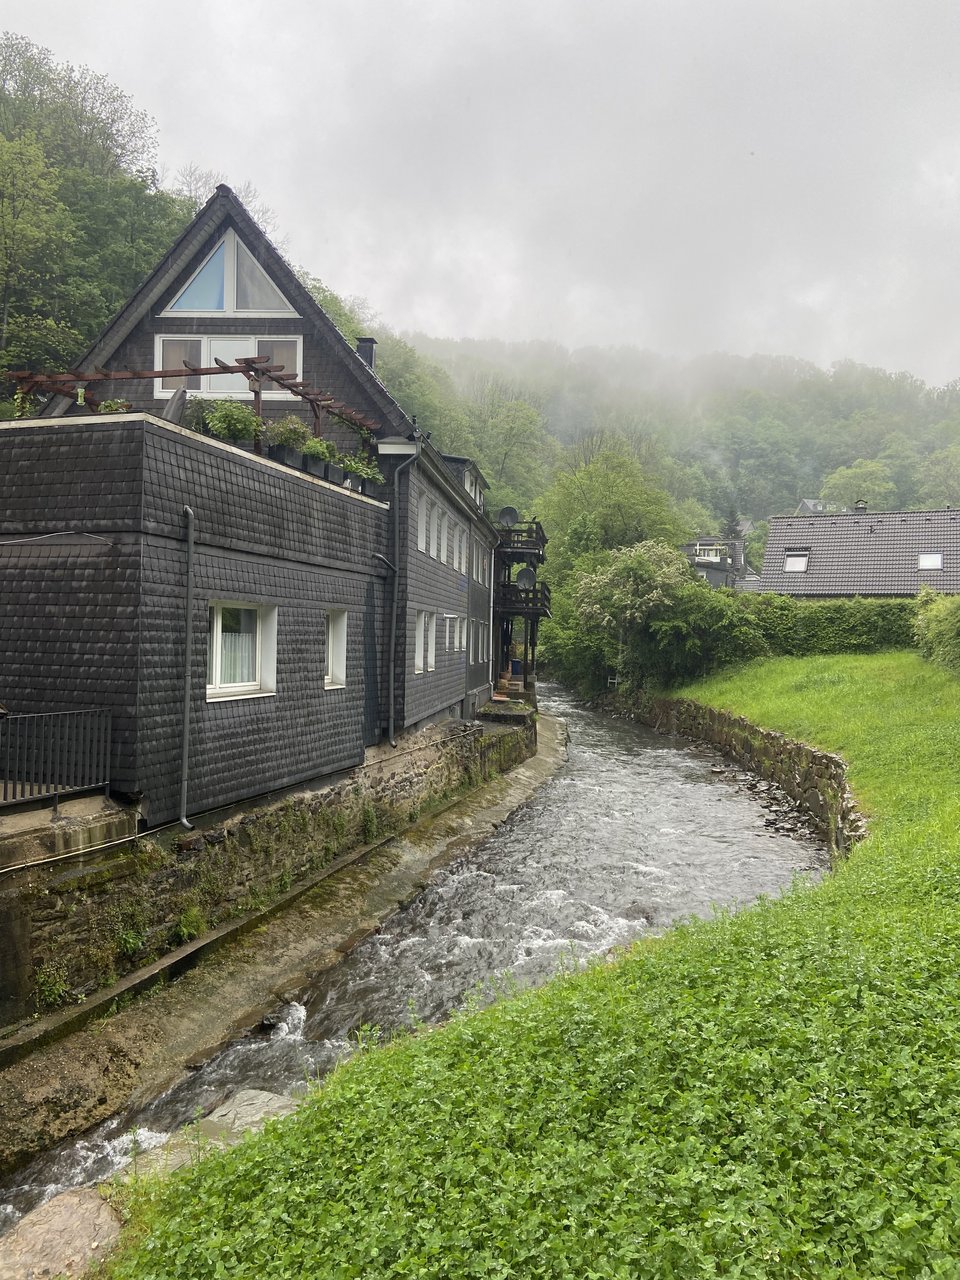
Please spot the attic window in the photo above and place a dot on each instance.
(795, 561)
(930, 560)
(230, 282)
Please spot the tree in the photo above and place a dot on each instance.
(662, 622)
(939, 478)
(35, 233)
(863, 480)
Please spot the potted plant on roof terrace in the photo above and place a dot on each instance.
(318, 454)
(286, 438)
(234, 421)
(361, 471)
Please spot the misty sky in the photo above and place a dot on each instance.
(688, 176)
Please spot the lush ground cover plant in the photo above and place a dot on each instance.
(774, 1093)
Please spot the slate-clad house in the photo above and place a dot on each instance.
(882, 553)
(320, 618)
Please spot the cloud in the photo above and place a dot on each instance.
(678, 174)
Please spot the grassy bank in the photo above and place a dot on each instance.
(775, 1093)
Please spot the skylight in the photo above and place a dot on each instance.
(795, 561)
(930, 560)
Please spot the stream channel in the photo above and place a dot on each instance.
(634, 832)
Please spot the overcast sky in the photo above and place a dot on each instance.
(688, 176)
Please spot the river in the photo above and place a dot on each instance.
(635, 832)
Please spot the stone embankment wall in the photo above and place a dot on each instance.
(815, 781)
(78, 926)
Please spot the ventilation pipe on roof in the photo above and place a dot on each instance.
(365, 350)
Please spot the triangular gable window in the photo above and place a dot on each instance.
(255, 290)
(230, 282)
(205, 290)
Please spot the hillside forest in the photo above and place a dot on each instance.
(612, 449)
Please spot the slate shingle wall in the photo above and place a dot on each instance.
(263, 535)
(69, 605)
(245, 746)
(436, 588)
(86, 622)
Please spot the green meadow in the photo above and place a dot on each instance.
(771, 1093)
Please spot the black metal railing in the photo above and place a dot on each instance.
(53, 754)
(528, 602)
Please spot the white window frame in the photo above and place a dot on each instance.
(795, 561)
(431, 642)
(444, 548)
(335, 675)
(418, 642)
(212, 385)
(934, 560)
(230, 242)
(435, 531)
(265, 683)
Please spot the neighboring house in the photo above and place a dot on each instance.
(322, 618)
(719, 561)
(884, 553)
(817, 507)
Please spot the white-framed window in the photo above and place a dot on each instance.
(795, 561)
(431, 641)
(435, 531)
(461, 549)
(241, 650)
(930, 560)
(444, 548)
(170, 351)
(229, 282)
(335, 675)
(418, 646)
(422, 523)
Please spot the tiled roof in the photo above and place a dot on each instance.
(863, 553)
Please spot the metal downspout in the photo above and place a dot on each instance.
(187, 664)
(392, 666)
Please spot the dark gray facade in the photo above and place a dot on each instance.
(95, 615)
(440, 525)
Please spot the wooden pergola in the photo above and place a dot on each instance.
(258, 372)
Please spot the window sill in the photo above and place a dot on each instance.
(241, 697)
(334, 684)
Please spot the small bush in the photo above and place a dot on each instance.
(232, 420)
(289, 431)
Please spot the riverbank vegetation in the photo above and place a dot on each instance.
(771, 1093)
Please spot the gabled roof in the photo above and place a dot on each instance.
(222, 211)
(863, 553)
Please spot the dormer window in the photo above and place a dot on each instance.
(795, 560)
(930, 560)
(230, 282)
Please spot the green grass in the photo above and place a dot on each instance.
(774, 1093)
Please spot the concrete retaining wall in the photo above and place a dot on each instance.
(815, 781)
(75, 927)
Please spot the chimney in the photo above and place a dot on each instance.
(860, 505)
(365, 350)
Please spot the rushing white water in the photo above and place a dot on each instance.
(634, 833)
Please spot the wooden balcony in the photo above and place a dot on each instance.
(523, 542)
(520, 602)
